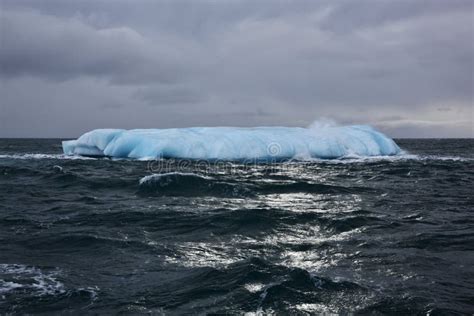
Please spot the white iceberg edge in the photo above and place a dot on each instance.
(234, 143)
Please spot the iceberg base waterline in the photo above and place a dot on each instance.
(234, 143)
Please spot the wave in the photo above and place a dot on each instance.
(403, 156)
(23, 287)
(21, 278)
(192, 184)
(235, 144)
(347, 159)
(258, 286)
(43, 156)
(189, 184)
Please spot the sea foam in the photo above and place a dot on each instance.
(233, 143)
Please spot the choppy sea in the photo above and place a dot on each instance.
(382, 235)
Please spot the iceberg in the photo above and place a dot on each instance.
(234, 143)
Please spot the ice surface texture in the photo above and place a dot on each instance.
(233, 143)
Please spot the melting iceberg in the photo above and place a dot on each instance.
(233, 143)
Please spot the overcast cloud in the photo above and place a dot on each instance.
(403, 66)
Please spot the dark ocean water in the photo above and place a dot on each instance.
(363, 236)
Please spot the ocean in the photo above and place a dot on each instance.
(382, 235)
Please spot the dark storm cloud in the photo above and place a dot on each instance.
(392, 64)
(50, 47)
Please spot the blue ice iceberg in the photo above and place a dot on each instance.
(233, 143)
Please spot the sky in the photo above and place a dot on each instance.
(405, 67)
